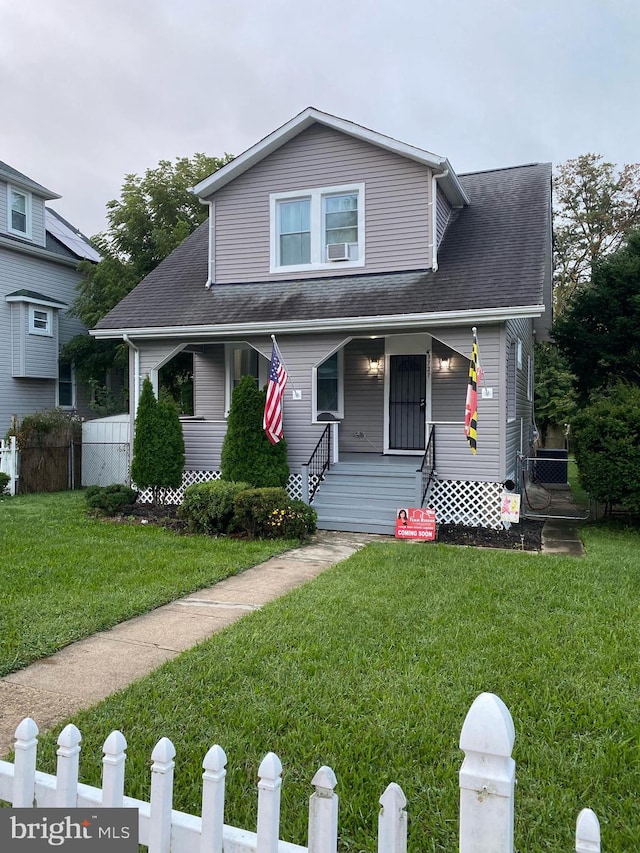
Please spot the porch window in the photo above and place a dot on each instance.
(328, 387)
(243, 360)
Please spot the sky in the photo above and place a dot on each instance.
(93, 90)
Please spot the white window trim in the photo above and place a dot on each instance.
(33, 329)
(519, 354)
(73, 390)
(529, 378)
(263, 370)
(316, 197)
(339, 412)
(27, 206)
(512, 378)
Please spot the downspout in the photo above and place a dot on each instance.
(136, 372)
(212, 236)
(434, 218)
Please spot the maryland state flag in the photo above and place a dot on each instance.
(471, 405)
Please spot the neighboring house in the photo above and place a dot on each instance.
(371, 261)
(39, 254)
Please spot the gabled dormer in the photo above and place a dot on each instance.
(22, 206)
(324, 197)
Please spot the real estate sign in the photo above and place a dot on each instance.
(414, 523)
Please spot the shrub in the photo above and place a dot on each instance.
(247, 453)
(109, 500)
(607, 447)
(270, 513)
(209, 507)
(4, 482)
(158, 444)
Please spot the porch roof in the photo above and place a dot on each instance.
(493, 262)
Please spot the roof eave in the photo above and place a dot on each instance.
(392, 322)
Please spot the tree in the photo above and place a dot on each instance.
(247, 453)
(158, 444)
(599, 332)
(555, 396)
(153, 215)
(595, 208)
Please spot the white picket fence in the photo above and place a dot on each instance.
(9, 462)
(487, 782)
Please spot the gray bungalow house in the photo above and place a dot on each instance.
(39, 254)
(370, 260)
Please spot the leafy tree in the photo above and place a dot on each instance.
(151, 218)
(595, 207)
(247, 453)
(607, 447)
(555, 396)
(599, 333)
(158, 444)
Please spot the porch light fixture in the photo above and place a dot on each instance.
(445, 363)
(374, 365)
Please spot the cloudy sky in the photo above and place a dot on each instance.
(91, 90)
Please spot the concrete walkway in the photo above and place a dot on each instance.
(88, 671)
(84, 673)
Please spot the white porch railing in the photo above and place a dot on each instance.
(487, 782)
(9, 462)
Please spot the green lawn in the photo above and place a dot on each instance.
(64, 576)
(371, 669)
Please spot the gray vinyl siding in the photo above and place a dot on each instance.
(209, 382)
(33, 357)
(397, 212)
(454, 460)
(517, 429)
(363, 398)
(443, 213)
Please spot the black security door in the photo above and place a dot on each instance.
(407, 389)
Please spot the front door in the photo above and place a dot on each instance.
(407, 401)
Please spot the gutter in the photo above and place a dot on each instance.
(391, 322)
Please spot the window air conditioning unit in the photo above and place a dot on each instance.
(337, 251)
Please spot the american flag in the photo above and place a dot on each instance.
(275, 389)
(471, 404)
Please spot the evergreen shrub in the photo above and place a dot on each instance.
(270, 513)
(247, 453)
(209, 507)
(109, 500)
(4, 482)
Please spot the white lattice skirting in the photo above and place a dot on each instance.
(174, 496)
(472, 504)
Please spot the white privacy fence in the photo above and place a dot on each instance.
(9, 462)
(487, 782)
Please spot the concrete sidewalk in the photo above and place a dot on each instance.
(88, 671)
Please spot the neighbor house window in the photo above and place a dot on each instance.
(41, 321)
(66, 386)
(328, 386)
(19, 213)
(317, 229)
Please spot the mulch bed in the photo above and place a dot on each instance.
(525, 536)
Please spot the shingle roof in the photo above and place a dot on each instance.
(495, 255)
(11, 174)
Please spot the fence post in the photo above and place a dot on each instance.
(161, 799)
(487, 778)
(587, 832)
(269, 803)
(392, 821)
(323, 813)
(67, 770)
(24, 779)
(114, 757)
(213, 800)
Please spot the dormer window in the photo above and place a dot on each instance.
(317, 229)
(19, 212)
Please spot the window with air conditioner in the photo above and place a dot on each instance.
(317, 229)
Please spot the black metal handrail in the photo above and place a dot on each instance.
(319, 461)
(428, 467)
